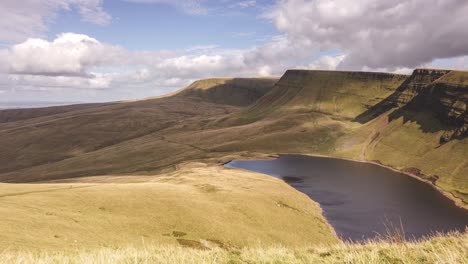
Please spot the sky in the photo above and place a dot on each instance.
(106, 50)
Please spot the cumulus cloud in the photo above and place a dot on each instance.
(326, 63)
(374, 35)
(79, 61)
(377, 33)
(68, 55)
(30, 18)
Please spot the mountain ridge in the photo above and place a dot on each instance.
(410, 123)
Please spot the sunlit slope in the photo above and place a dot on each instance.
(195, 206)
(229, 91)
(342, 94)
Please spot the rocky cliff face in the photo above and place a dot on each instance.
(441, 93)
(438, 93)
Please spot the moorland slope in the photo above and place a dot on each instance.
(136, 151)
(416, 124)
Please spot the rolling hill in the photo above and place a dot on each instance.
(416, 124)
(127, 157)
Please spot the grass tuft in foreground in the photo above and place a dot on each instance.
(451, 248)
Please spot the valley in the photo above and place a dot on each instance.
(150, 171)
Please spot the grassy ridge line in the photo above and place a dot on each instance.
(229, 91)
(448, 249)
(343, 94)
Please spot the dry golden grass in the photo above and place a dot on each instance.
(233, 207)
(444, 250)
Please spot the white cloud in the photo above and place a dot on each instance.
(79, 61)
(92, 11)
(374, 35)
(30, 18)
(377, 33)
(44, 83)
(326, 63)
(68, 55)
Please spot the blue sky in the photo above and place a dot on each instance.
(146, 26)
(102, 50)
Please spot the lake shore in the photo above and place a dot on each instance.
(456, 200)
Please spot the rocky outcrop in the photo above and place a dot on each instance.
(404, 94)
(441, 94)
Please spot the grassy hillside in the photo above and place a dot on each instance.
(12, 115)
(75, 135)
(425, 133)
(452, 249)
(196, 203)
(417, 124)
(341, 94)
(229, 91)
(137, 150)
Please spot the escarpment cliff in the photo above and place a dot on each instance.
(342, 94)
(445, 98)
(414, 123)
(422, 127)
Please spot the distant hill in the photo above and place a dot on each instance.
(229, 91)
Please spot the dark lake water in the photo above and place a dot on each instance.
(363, 200)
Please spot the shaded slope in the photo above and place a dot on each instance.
(229, 91)
(404, 94)
(49, 139)
(12, 115)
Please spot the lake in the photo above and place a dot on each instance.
(361, 200)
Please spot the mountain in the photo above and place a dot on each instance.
(117, 137)
(416, 124)
(229, 91)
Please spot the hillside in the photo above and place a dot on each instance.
(97, 139)
(181, 208)
(114, 161)
(450, 249)
(229, 91)
(423, 131)
(417, 124)
(341, 94)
